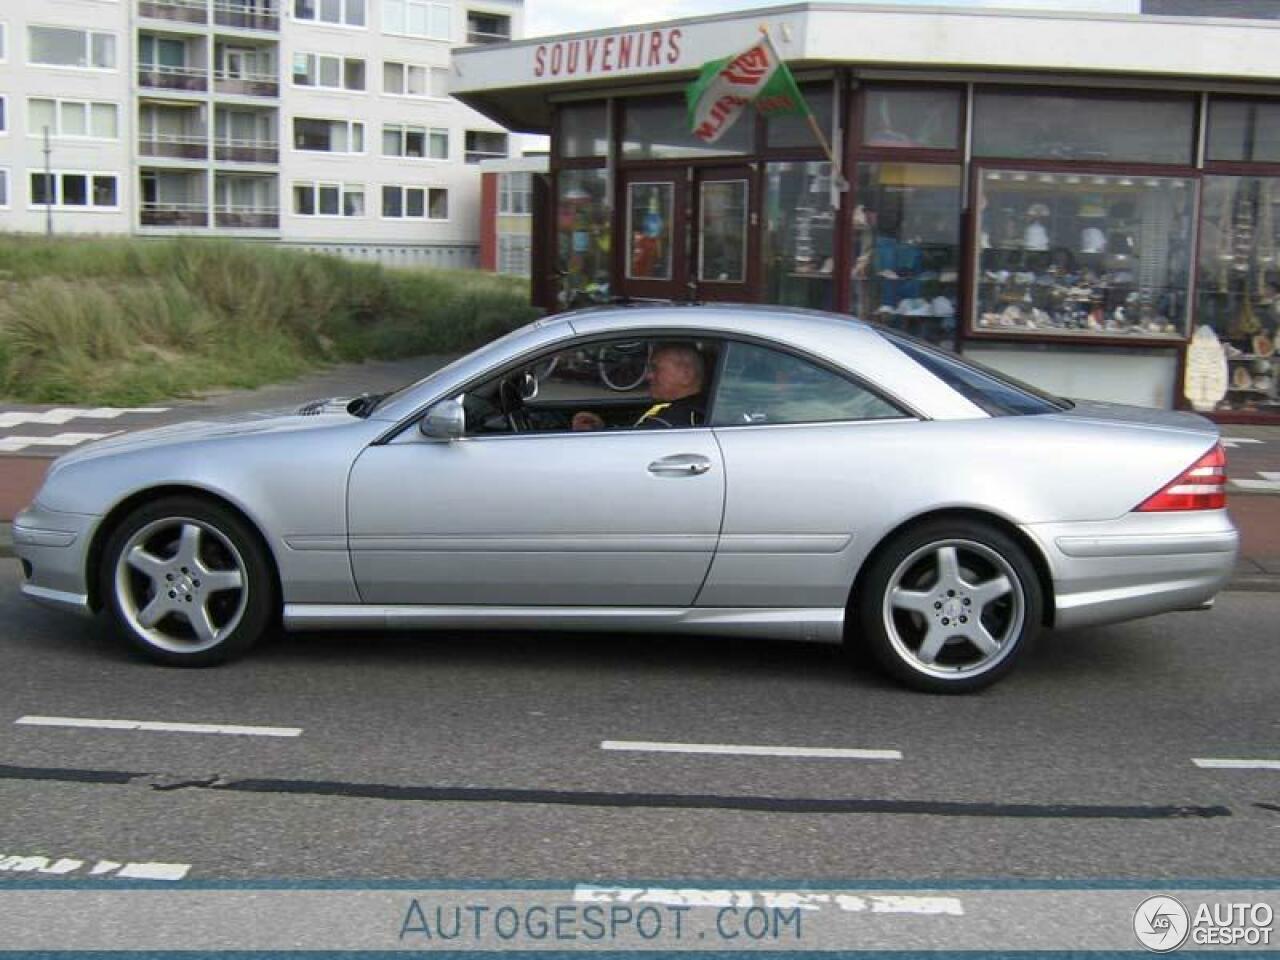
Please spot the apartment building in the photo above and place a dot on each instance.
(317, 123)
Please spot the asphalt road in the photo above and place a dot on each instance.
(467, 757)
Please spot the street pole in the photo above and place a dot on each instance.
(48, 186)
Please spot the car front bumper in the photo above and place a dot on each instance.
(51, 547)
(1137, 565)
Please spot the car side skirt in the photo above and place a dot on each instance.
(821, 624)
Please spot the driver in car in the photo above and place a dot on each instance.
(676, 376)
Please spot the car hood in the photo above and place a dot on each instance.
(1128, 415)
(238, 425)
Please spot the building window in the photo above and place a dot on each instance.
(1083, 255)
(328, 136)
(414, 80)
(487, 27)
(417, 203)
(483, 145)
(75, 191)
(910, 117)
(1084, 126)
(4, 115)
(1244, 131)
(350, 13)
(73, 118)
(4, 189)
(514, 194)
(400, 140)
(3, 47)
(328, 200)
(327, 73)
(61, 47)
(417, 18)
(513, 254)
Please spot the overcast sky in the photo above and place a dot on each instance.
(567, 16)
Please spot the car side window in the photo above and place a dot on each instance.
(763, 386)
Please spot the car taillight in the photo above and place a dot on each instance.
(1202, 486)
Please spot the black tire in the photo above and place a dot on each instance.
(182, 613)
(944, 632)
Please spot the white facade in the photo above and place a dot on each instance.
(320, 123)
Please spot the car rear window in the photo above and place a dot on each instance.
(996, 393)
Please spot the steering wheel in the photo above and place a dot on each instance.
(513, 406)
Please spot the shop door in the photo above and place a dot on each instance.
(654, 255)
(724, 258)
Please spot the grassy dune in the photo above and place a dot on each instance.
(125, 321)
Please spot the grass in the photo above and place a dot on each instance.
(126, 321)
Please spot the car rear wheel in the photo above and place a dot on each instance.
(947, 607)
(187, 582)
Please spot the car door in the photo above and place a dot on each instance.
(552, 518)
(808, 453)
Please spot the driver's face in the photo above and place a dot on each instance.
(669, 377)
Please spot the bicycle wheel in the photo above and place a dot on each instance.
(622, 366)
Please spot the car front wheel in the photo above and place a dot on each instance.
(187, 582)
(948, 606)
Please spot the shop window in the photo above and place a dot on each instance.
(722, 233)
(584, 130)
(650, 212)
(1238, 284)
(797, 244)
(1096, 127)
(1083, 255)
(658, 129)
(1244, 131)
(906, 247)
(583, 235)
(921, 118)
(788, 131)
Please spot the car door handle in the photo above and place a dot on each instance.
(680, 465)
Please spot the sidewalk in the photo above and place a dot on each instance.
(30, 437)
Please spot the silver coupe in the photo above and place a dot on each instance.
(810, 476)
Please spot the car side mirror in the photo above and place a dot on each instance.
(446, 420)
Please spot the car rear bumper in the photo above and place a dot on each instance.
(51, 549)
(1137, 565)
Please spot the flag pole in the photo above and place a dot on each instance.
(840, 182)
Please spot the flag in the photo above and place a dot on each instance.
(725, 87)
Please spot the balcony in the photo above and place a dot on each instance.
(247, 151)
(248, 218)
(183, 11)
(156, 214)
(261, 15)
(173, 146)
(244, 84)
(159, 77)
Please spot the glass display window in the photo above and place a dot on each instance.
(657, 128)
(583, 225)
(583, 130)
(1097, 127)
(798, 240)
(1074, 254)
(1244, 131)
(906, 247)
(650, 212)
(920, 118)
(722, 251)
(1238, 285)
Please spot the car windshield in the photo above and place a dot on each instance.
(996, 393)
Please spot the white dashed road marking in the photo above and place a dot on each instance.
(60, 415)
(16, 442)
(1270, 483)
(741, 750)
(1226, 763)
(1236, 441)
(19, 863)
(153, 725)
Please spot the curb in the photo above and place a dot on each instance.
(1241, 582)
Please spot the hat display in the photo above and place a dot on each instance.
(1093, 240)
